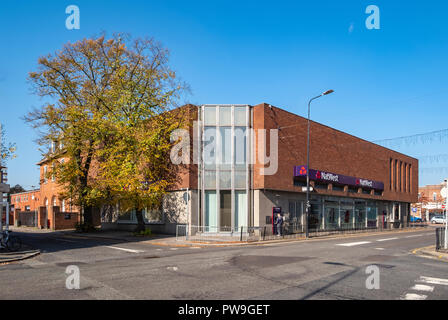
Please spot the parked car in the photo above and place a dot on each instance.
(416, 219)
(438, 219)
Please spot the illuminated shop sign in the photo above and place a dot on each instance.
(300, 171)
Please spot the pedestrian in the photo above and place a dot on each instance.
(279, 224)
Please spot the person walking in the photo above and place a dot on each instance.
(279, 224)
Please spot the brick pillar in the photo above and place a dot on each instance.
(16, 218)
(41, 214)
(55, 211)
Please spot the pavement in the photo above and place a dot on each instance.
(430, 252)
(172, 241)
(25, 252)
(325, 268)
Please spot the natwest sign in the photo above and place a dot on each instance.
(300, 171)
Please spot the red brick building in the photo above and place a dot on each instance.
(58, 212)
(249, 161)
(430, 202)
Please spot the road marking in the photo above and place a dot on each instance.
(379, 248)
(173, 268)
(127, 250)
(414, 296)
(429, 280)
(422, 287)
(387, 239)
(173, 248)
(351, 244)
(415, 235)
(65, 240)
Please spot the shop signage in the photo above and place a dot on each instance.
(301, 171)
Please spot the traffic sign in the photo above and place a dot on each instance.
(444, 192)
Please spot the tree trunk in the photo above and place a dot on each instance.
(140, 221)
(88, 216)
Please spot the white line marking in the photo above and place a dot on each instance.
(173, 248)
(415, 235)
(350, 244)
(443, 282)
(379, 248)
(65, 240)
(173, 268)
(387, 239)
(127, 250)
(422, 287)
(413, 296)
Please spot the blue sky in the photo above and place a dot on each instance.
(388, 83)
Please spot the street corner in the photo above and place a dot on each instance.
(25, 253)
(431, 253)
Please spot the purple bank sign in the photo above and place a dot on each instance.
(300, 171)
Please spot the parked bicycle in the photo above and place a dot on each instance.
(9, 242)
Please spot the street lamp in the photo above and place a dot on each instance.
(308, 163)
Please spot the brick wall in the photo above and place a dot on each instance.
(64, 220)
(330, 150)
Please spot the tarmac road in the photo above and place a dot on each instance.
(313, 269)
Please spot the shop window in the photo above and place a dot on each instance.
(338, 187)
(320, 185)
(225, 199)
(299, 183)
(352, 189)
(366, 191)
(378, 192)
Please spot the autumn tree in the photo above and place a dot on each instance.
(108, 103)
(7, 150)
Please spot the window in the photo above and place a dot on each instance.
(45, 174)
(434, 196)
(225, 170)
(391, 174)
(63, 205)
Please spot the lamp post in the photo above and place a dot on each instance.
(307, 209)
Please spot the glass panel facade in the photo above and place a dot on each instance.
(209, 116)
(315, 216)
(225, 210)
(225, 179)
(331, 215)
(240, 143)
(209, 148)
(360, 215)
(240, 116)
(225, 116)
(210, 212)
(295, 216)
(225, 172)
(372, 214)
(240, 179)
(240, 209)
(346, 215)
(225, 156)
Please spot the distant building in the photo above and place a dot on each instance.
(430, 202)
(25, 201)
